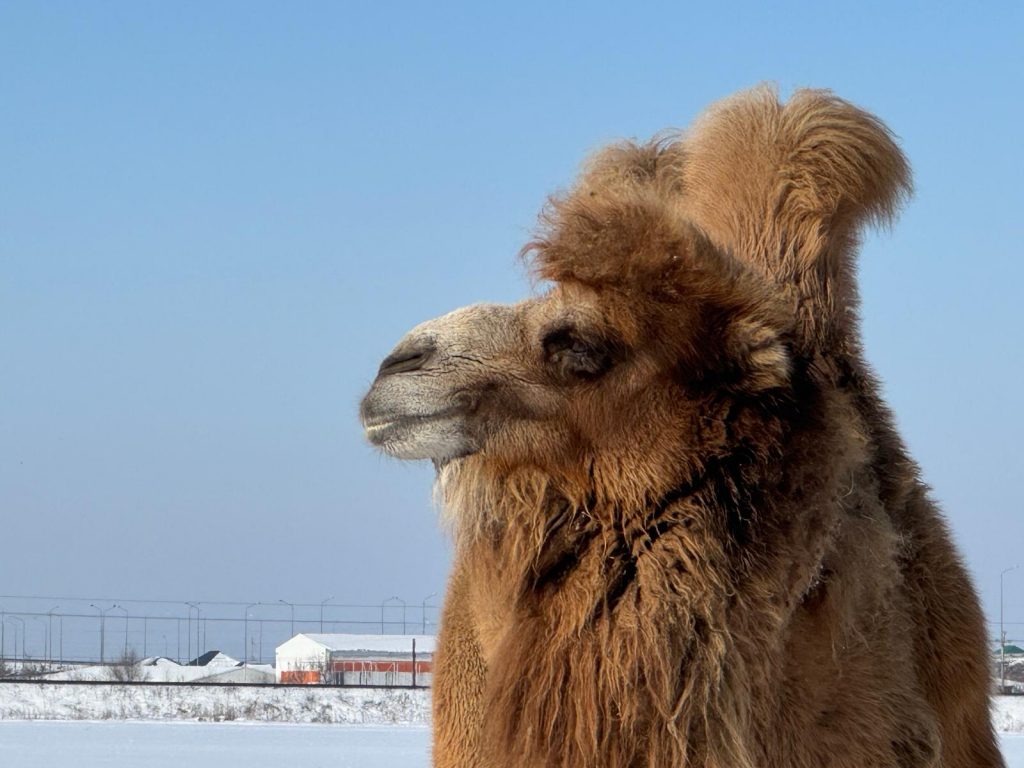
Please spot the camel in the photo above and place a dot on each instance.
(686, 531)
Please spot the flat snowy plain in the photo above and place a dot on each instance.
(129, 744)
(155, 744)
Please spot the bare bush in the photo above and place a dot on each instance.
(30, 671)
(127, 669)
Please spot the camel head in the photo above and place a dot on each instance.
(644, 330)
(684, 276)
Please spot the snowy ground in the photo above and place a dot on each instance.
(312, 704)
(1013, 749)
(1008, 713)
(55, 744)
(122, 727)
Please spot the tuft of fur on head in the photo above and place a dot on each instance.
(617, 233)
(784, 188)
(624, 238)
(788, 187)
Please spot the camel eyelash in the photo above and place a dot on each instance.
(565, 349)
(563, 339)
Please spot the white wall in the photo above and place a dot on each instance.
(299, 653)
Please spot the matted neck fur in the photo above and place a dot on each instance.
(687, 533)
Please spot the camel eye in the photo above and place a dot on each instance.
(570, 354)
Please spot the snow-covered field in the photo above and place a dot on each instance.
(54, 744)
(1013, 749)
(1008, 713)
(122, 726)
(313, 704)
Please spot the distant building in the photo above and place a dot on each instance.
(211, 667)
(214, 659)
(356, 659)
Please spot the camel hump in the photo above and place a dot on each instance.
(787, 187)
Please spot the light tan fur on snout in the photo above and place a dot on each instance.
(687, 533)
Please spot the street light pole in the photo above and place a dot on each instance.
(200, 633)
(390, 599)
(1002, 634)
(49, 635)
(188, 631)
(42, 625)
(423, 615)
(292, 606)
(245, 642)
(103, 630)
(18, 618)
(327, 600)
(124, 654)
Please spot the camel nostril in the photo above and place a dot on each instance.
(407, 358)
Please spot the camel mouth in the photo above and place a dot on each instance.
(377, 432)
(382, 430)
(377, 427)
(438, 436)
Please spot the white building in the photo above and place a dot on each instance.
(356, 659)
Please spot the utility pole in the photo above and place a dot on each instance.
(1002, 633)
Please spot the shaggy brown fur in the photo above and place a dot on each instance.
(686, 531)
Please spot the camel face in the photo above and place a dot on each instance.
(603, 376)
(501, 378)
(422, 403)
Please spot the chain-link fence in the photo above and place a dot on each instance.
(77, 631)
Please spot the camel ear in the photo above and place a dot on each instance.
(787, 188)
(761, 355)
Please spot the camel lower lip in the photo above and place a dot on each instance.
(382, 431)
(376, 432)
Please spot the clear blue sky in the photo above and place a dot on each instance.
(216, 218)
